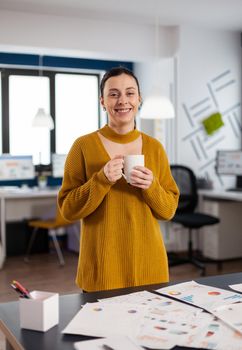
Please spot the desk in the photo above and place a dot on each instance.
(70, 304)
(222, 241)
(221, 195)
(19, 204)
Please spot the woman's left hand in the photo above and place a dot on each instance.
(141, 177)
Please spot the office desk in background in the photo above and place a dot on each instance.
(18, 204)
(222, 241)
(70, 305)
(221, 195)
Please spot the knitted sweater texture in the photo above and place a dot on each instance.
(121, 242)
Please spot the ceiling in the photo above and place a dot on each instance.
(223, 14)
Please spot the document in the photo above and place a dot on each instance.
(237, 287)
(115, 343)
(158, 322)
(206, 297)
(212, 333)
(231, 315)
(103, 320)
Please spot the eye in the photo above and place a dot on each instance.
(130, 93)
(113, 94)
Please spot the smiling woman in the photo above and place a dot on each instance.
(121, 243)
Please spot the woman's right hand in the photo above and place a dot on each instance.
(114, 168)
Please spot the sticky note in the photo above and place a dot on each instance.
(213, 123)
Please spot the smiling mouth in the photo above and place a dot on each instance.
(122, 110)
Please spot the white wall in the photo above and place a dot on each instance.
(87, 38)
(208, 60)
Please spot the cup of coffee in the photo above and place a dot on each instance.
(131, 161)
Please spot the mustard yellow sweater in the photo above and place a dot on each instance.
(121, 243)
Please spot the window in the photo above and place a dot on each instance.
(26, 95)
(77, 108)
(0, 115)
(71, 99)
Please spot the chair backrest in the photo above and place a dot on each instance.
(186, 182)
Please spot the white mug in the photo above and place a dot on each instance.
(130, 161)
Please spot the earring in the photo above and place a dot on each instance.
(104, 109)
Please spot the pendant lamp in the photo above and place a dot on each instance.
(42, 119)
(156, 105)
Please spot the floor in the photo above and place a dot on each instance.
(44, 273)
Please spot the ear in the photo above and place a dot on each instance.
(102, 101)
(140, 102)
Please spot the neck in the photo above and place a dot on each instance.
(123, 129)
(119, 135)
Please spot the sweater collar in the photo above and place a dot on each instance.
(111, 135)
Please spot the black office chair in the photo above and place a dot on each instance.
(186, 214)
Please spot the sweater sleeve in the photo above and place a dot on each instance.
(163, 194)
(79, 197)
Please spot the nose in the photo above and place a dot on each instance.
(122, 99)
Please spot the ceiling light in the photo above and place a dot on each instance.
(43, 120)
(156, 105)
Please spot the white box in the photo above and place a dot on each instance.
(41, 312)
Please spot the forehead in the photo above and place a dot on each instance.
(122, 81)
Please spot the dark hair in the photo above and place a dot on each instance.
(114, 72)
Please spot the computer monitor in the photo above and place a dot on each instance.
(58, 164)
(229, 162)
(16, 167)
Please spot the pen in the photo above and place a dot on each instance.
(20, 289)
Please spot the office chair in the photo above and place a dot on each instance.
(52, 226)
(186, 214)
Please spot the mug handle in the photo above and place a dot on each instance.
(124, 176)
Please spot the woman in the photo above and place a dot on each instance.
(121, 243)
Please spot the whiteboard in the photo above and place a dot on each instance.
(229, 162)
(16, 168)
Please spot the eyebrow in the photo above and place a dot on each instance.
(114, 89)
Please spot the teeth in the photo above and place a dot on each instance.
(123, 110)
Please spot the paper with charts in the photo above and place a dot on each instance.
(159, 322)
(206, 297)
(237, 287)
(117, 343)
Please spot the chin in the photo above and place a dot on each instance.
(127, 118)
(126, 121)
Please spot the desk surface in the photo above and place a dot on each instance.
(29, 192)
(221, 195)
(70, 304)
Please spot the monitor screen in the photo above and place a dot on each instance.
(16, 167)
(58, 164)
(229, 162)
